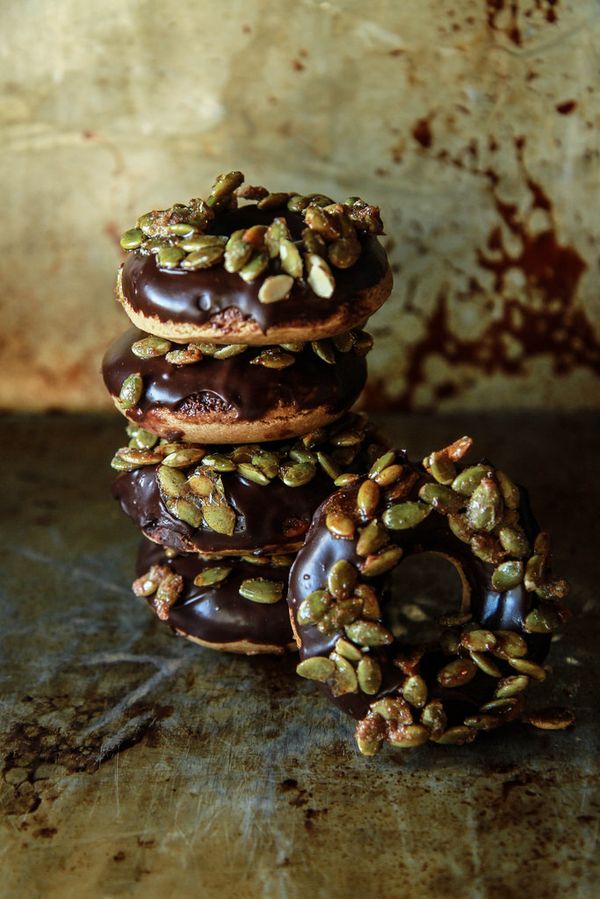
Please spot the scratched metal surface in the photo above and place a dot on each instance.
(136, 764)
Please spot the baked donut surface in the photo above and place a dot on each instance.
(238, 500)
(255, 394)
(234, 605)
(331, 273)
(489, 650)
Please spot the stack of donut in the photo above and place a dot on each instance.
(254, 484)
(245, 355)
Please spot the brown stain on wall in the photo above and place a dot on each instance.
(550, 324)
(517, 14)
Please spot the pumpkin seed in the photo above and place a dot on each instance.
(370, 603)
(218, 462)
(343, 253)
(372, 538)
(171, 481)
(131, 391)
(339, 525)
(514, 541)
(485, 664)
(275, 233)
(230, 350)
(469, 479)
(253, 474)
(291, 260)
(507, 709)
(542, 544)
(535, 571)
(507, 576)
(130, 458)
(299, 454)
(328, 465)
(343, 342)
(199, 484)
(485, 507)
(184, 457)
(459, 526)
(261, 590)
(509, 645)
(531, 669)
(389, 475)
(414, 690)
(312, 609)
(149, 347)
(393, 708)
(348, 650)
(344, 480)
(275, 358)
(381, 462)
(319, 276)
(298, 474)
(167, 594)
(132, 239)
(482, 722)
(441, 498)
(169, 257)
(196, 242)
(219, 517)
(405, 515)
(204, 258)
(143, 439)
(272, 201)
(297, 203)
(324, 350)
(363, 343)
(543, 620)
(293, 347)
(555, 588)
(456, 736)
(457, 673)
(317, 668)
(367, 498)
(487, 548)
(148, 583)
(342, 613)
(449, 642)
(344, 679)
(509, 490)
(408, 736)
(368, 633)
(551, 719)
(442, 468)
(369, 676)
(478, 640)
(374, 565)
(370, 734)
(210, 576)
(255, 267)
(224, 187)
(237, 253)
(185, 511)
(342, 579)
(275, 288)
(314, 244)
(188, 356)
(434, 718)
(511, 686)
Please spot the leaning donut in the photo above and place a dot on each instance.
(473, 678)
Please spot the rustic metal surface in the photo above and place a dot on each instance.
(136, 764)
(474, 123)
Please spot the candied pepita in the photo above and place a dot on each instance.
(340, 525)
(324, 350)
(171, 481)
(406, 515)
(344, 679)
(507, 576)
(149, 347)
(186, 356)
(275, 288)
(342, 579)
(531, 669)
(543, 620)
(457, 673)
(317, 668)
(219, 517)
(131, 391)
(408, 736)
(252, 473)
(319, 276)
(414, 690)
(469, 479)
(551, 719)
(372, 538)
(368, 633)
(181, 458)
(148, 583)
(434, 718)
(382, 562)
(456, 736)
(298, 474)
(314, 607)
(210, 576)
(132, 239)
(441, 498)
(369, 675)
(511, 686)
(261, 590)
(485, 507)
(367, 498)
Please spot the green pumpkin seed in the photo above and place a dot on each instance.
(414, 690)
(218, 462)
(276, 232)
(314, 243)
(344, 480)
(291, 260)
(319, 276)
(469, 479)
(275, 288)
(484, 510)
(389, 475)
(482, 722)
(130, 458)
(408, 736)
(348, 650)
(381, 462)
(405, 515)
(509, 645)
(456, 736)
(535, 572)
(324, 350)
(184, 457)
(298, 474)
(543, 620)
(478, 640)
(487, 548)
(507, 709)
(199, 484)
(261, 590)
(328, 465)
(485, 664)
(253, 474)
(457, 673)
(237, 253)
(255, 267)
(194, 243)
(316, 668)
(342, 579)
(371, 539)
(367, 498)
(299, 454)
(507, 576)
(441, 498)
(274, 358)
(368, 737)
(381, 563)
(509, 490)
(297, 203)
(314, 607)
(131, 391)
(369, 676)
(514, 541)
(171, 481)
(267, 462)
(149, 347)
(230, 350)
(370, 603)
(219, 517)
(393, 708)
(272, 201)
(342, 613)
(186, 511)
(555, 588)
(188, 356)
(340, 525)
(347, 438)
(343, 253)
(551, 719)
(343, 342)
(224, 186)
(132, 239)
(434, 718)
(531, 669)
(344, 679)
(442, 468)
(368, 633)
(459, 526)
(204, 258)
(211, 576)
(292, 347)
(169, 257)
(363, 343)
(511, 686)
(143, 439)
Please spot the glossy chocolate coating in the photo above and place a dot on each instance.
(218, 614)
(494, 610)
(199, 296)
(213, 387)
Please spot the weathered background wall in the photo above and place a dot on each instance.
(474, 124)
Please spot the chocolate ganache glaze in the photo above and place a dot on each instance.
(491, 609)
(223, 385)
(218, 613)
(196, 297)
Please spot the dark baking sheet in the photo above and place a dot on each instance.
(137, 764)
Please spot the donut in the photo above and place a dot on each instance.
(470, 680)
(234, 393)
(283, 268)
(236, 500)
(235, 605)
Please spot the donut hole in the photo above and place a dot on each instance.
(422, 589)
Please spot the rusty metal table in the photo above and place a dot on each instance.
(137, 764)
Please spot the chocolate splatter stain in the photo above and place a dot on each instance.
(422, 133)
(550, 324)
(515, 12)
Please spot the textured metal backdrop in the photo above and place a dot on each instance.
(474, 124)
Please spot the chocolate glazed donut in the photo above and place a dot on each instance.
(474, 677)
(236, 605)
